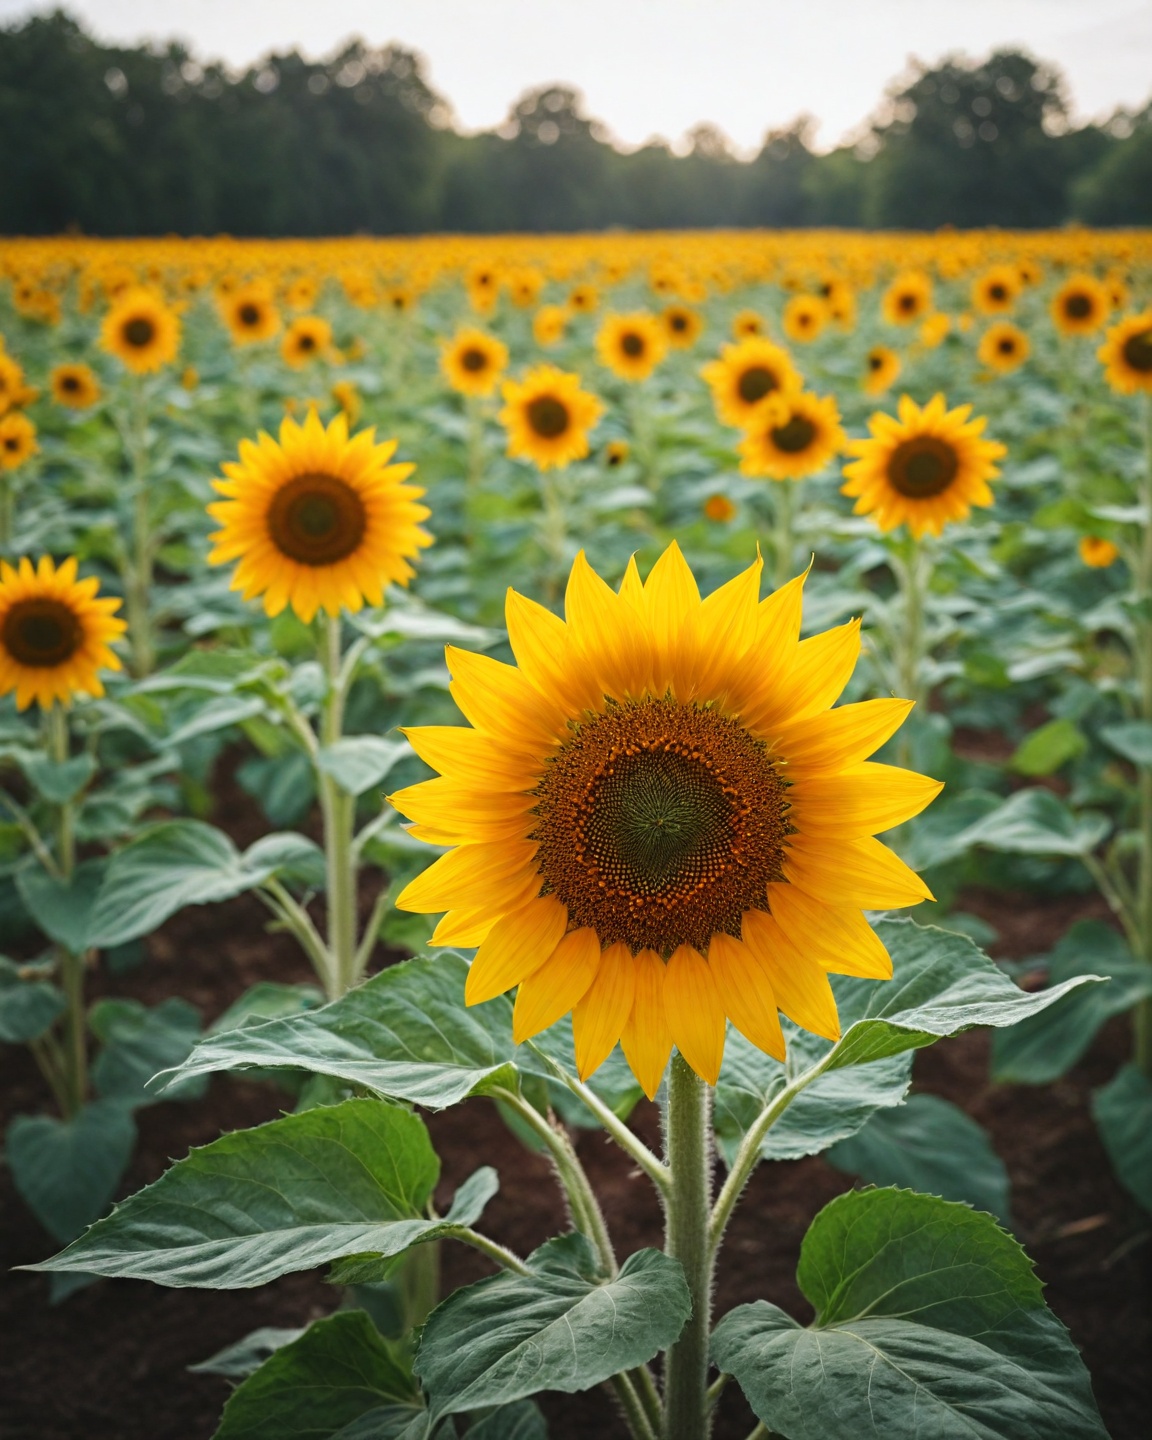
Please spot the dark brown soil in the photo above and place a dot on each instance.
(111, 1362)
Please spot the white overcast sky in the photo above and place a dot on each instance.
(657, 67)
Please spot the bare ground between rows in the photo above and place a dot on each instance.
(111, 1362)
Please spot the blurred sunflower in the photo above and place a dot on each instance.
(472, 361)
(658, 822)
(631, 346)
(13, 391)
(615, 453)
(996, 291)
(805, 316)
(1080, 306)
(682, 325)
(400, 299)
(300, 292)
(1097, 553)
(583, 299)
(934, 330)
(1003, 347)
(907, 298)
(141, 331)
(75, 386)
(794, 437)
(55, 633)
(746, 324)
(547, 417)
(250, 314)
(1127, 355)
(549, 324)
(17, 440)
(924, 469)
(483, 285)
(719, 508)
(524, 288)
(745, 375)
(317, 520)
(308, 338)
(881, 367)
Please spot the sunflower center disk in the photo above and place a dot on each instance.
(795, 436)
(316, 519)
(632, 345)
(139, 332)
(923, 467)
(756, 382)
(1138, 351)
(548, 416)
(41, 633)
(1078, 306)
(660, 824)
(474, 360)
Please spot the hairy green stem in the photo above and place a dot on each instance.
(633, 1407)
(492, 1248)
(75, 1049)
(137, 570)
(339, 812)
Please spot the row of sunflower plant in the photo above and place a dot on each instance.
(656, 826)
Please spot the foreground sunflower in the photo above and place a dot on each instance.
(631, 346)
(927, 467)
(547, 416)
(1003, 347)
(75, 386)
(1127, 355)
(317, 520)
(141, 331)
(745, 375)
(658, 822)
(472, 361)
(55, 633)
(795, 437)
(1080, 306)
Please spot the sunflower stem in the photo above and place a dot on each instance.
(689, 1148)
(7, 510)
(782, 541)
(1142, 1020)
(137, 566)
(75, 1050)
(339, 812)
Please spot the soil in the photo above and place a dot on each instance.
(110, 1363)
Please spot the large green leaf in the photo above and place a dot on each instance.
(67, 1170)
(58, 780)
(63, 909)
(1123, 1112)
(405, 1034)
(1046, 749)
(1043, 1047)
(286, 1196)
(930, 1325)
(1132, 739)
(243, 1357)
(557, 1328)
(1036, 822)
(338, 1370)
(360, 762)
(930, 1145)
(28, 1005)
(137, 1042)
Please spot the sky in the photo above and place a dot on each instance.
(658, 67)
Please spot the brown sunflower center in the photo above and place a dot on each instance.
(71, 383)
(756, 382)
(1138, 351)
(1077, 306)
(1006, 345)
(41, 632)
(795, 436)
(875, 362)
(632, 344)
(250, 315)
(660, 824)
(316, 519)
(679, 323)
(139, 331)
(997, 292)
(473, 360)
(906, 303)
(923, 467)
(306, 341)
(548, 416)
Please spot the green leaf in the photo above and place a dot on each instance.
(1132, 739)
(286, 1196)
(28, 1005)
(519, 1421)
(1123, 1114)
(1035, 822)
(557, 1328)
(930, 1326)
(267, 1000)
(58, 781)
(1042, 1048)
(63, 909)
(360, 762)
(405, 1034)
(311, 1388)
(1046, 749)
(67, 1170)
(929, 1145)
(217, 715)
(290, 857)
(137, 1043)
(243, 1357)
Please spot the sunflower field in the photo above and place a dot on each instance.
(513, 752)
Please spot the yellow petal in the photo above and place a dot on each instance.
(839, 738)
(646, 1038)
(859, 872)
(465, 927)
(728, 621)
(865, 800)
(558, 986)
(498, 700)
(800, 986)
(479, 761)
(495, 874)
(774, 648)
(547, 655)
(447, 814)
(609, 633)
(673, 606)
(837, 937)
(823, 666)
(745, 991)
(599, 1019)
(695, 1014)
(518, 944)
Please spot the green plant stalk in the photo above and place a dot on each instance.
(912, 567)
(687, 1212)
(643, 437)
(553, 533)
(137, 568)
(1142, 1019)
(475, 410)
(783, 541)
(339, 812)
(7, 509)
(74, 1054)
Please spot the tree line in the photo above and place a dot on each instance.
(113, 140)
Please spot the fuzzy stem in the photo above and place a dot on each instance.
(75, 1052)
(138, 565)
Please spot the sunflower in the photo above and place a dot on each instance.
(682, 325)
(719, 508)
(548, 416)
(615, 453)
(583, 299)
(549, 324)
(317, 521)
(17, 440)
(745, 375)
(908, 298)
(54, 633)
(13, 391)
(924, 469)
(805, 316)
(300, 293)
(483, 285)
(934, 330)
(472, 362)
(1003, 347)
(996, 291)
(1127, 354)
(307, 338)
(1097, 553)
(141, 331)
(881, 367)
(658, 822)
(631, 346)
(75, 386)
(348, 398)
(399, 299)
(249, 314)
(794, 437)
(1080, 306)
(524, 288)
(746, 324)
